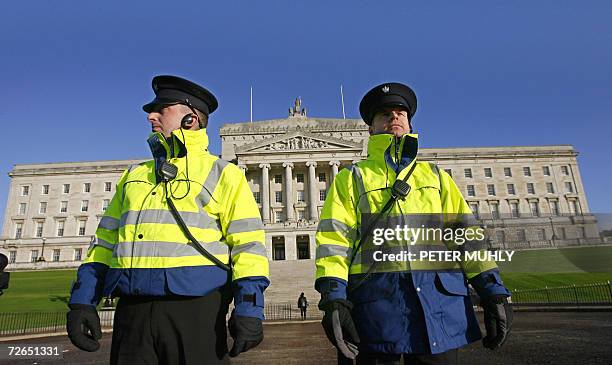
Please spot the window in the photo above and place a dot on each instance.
(535, 209)
(530, 188)
(511, 190)
(60, 228)
(279, 251)
(322, 194)
(45, 189)
(541, 234)
(107, 186)
(554, 208)
(279, 196)
(303, 247)
(449, 172)
(87, 187)
(546, 170)
(549, 188)
(33, 255)
(66, 188)
(278, 179)
(322, 177)
(474, 207)
(42, 208)
(301, 214)
(77, 254)
(22, 208)
(501, 236)
(521, 236)
(56, 254)
(39, 229)
(12, 257)
(565, 170)
(278, 217)
(491, 189)
(63, 206)
(470, 190)
(574, 208)
(25, 190)
(507, 172)
(467, 173)
(82, 224)
(105, 204)
(18, 229)
(494, 210)
(514, 210)
(257, 197)
(568, 187)
(299, 178)
(527, 171)
(84, 205)
(300, 196)
(488, 172)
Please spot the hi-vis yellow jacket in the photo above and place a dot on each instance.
(401, 305)
(139, 249)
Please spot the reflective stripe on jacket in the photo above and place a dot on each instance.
(407, 307)
(144, 251)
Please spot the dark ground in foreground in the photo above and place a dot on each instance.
(537, 338)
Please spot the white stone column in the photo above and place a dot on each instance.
(265, 192)
(334, 166)
(312, 188)
(288, 190)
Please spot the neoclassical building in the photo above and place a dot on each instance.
(526, 196)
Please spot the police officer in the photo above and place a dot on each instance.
(180, 237)
(376, 311)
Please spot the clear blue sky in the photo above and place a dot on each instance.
(73, 75)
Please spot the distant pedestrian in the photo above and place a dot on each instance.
(302, 304)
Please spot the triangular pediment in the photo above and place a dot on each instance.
(299, 141)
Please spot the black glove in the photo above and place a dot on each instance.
(498, 320)
(83, 326)
(247, 333)
(340, 328)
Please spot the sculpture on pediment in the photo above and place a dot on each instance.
(298, 143)
(297, 110)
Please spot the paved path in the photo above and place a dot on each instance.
(537, 338)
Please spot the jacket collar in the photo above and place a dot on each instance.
(397, 152)
(181, 142)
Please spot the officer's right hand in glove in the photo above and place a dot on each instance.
(340, 328)
(247, 333)
(83, 326)
(498, 320)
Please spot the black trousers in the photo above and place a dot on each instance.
(171, 330)
(303, 312)
(446, 358)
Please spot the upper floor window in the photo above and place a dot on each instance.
(467, 173)
(87, 187)
(66, 188)
(527, 171)
(488, 172)
(25, 190)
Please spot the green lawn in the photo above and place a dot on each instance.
(38, 291)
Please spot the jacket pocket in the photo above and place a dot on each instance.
(451, 283)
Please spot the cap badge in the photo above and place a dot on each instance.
(385, 89)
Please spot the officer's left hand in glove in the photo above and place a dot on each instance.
(340, 328)
(498, 317)
(247, 333)
(83, 326)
